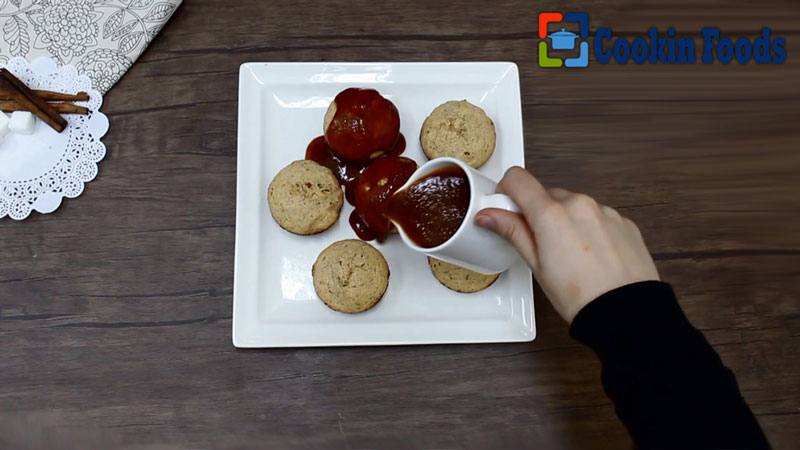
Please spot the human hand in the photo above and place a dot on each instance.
(576, 248)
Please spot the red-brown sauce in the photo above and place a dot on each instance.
(432, 209)
(346, 171)
(374, 188)
(366, 186)
(365, 123)
(363, 231)
(365, 126)
(399, 146)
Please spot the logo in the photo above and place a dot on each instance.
(652, 47)
(564, 40)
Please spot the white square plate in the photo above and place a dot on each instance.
(281, 106)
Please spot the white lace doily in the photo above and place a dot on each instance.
(38, 171)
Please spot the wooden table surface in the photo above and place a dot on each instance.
(115, 312)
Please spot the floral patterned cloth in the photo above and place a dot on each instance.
(101, 38)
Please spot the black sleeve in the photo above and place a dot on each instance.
(669, 386)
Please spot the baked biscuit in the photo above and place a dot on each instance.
(458, 278)
(350, 276)
(461, 130)
(305, 198)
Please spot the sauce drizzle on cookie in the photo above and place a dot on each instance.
(346, 172)
(376, 186)
(365, 130)
(365, 125)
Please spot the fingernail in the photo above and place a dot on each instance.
(486, 221)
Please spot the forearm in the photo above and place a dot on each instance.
(669, 386)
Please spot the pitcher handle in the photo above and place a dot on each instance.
(499, 201)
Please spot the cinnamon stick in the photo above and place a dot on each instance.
(30, 101)
(51, 96)
(63, 108)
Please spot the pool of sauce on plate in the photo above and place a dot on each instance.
(432, 209)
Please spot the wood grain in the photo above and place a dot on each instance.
(115, 312)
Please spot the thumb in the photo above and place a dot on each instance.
(514, 229)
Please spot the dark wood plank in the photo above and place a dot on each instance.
(115, 312)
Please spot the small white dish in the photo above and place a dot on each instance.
(38, 170)
(281, 106)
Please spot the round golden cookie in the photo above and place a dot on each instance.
(458, 278)
(350, 276)
(461, 130)
(305, 198)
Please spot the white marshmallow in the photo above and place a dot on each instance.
(4, 121)
(22, 122)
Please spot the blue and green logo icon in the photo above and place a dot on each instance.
(564, 40)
